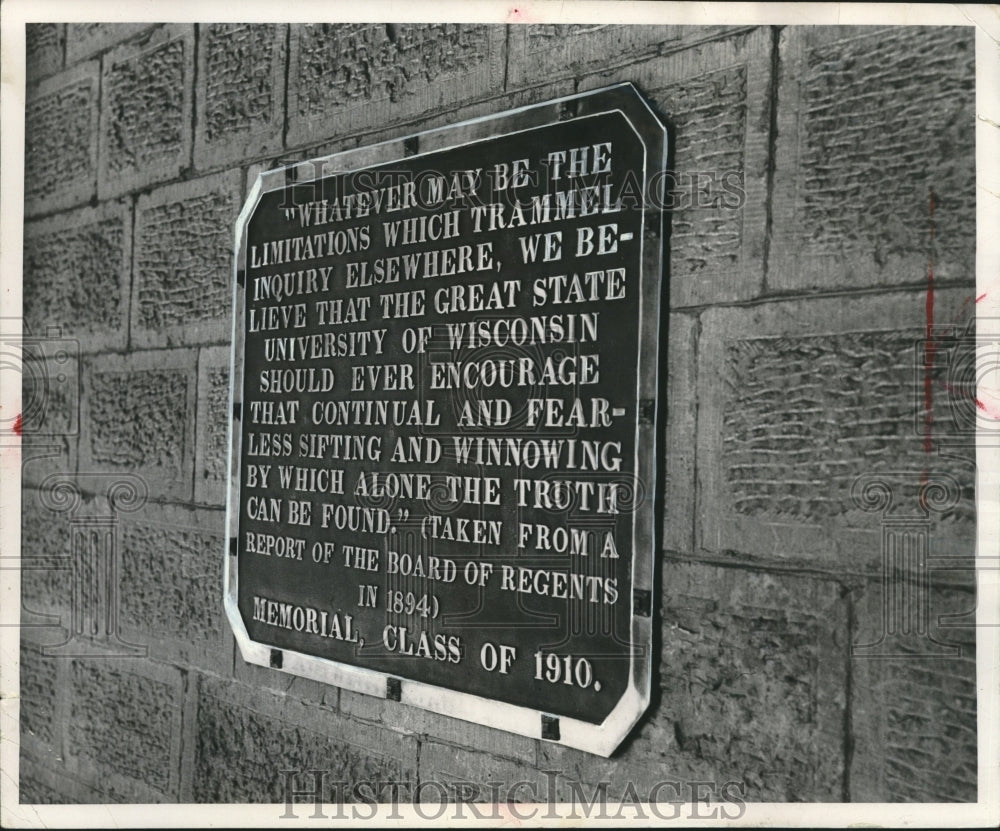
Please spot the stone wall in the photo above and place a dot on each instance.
(811, 429)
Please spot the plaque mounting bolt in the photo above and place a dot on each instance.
(647, 410)
(393, 689)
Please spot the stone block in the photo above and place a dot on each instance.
(346, 79)
(412, 720)
(124, 728)
(146, 110)
(211, 459)
(547, 51)
(39, 782)
(60, 140)
(138, 419)
(753, 676)
(432, 138)
(716, 100)
(171, 562)
(752, 682)
(44, 47)
(871, 123)
(402, 140)
(241, 92)
(271, 734)
(43, 706)
(42, 716)
(84, 40)
(76, 276)
(184, 262)
(681, 402)
(913, 707)
(814, 431)
(46, 563)
(50, 407)
(77, 567)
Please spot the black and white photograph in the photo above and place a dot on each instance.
(482, 413)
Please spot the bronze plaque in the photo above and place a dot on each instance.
(445, 376)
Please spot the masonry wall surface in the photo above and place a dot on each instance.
(816, 414)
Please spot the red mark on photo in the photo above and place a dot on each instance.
(18, 424)
(992, 412)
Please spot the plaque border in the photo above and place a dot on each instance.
(601, 739)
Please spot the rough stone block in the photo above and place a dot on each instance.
(401, 140)
(40, 782)
(413, 720)
(184, 262)
(913, 708)
(46, 562)
(139, 419)
(146, 111)
(41, 717)
(86, 39)
(715, 98)
(270, 734)
(43, 706)
(753, 675)
(125, 728)
(241, 92)
(171, 567)
(872, 121)
(349, 78)
(44, 46)
(566, 50)
(752, 685)
(425, 141)
(50, 407)
(72, 600)
(813, 430)
(76, 275)
(60, 140)
(211, 476)
(681, 403)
